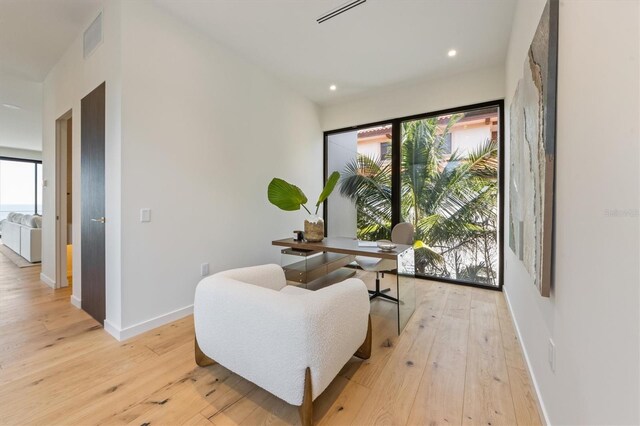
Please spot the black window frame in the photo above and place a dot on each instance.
(396, 125)
(35, 177)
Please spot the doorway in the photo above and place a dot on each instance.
(64, 191)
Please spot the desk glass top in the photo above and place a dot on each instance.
(344, 245)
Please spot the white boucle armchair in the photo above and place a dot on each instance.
(289, 341)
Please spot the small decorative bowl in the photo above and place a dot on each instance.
(386, 245)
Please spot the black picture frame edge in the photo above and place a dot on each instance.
(551, 118)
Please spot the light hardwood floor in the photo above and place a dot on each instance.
(457, 362)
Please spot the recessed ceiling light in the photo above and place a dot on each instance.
(452, 53)
(11, 106)
(333, 87)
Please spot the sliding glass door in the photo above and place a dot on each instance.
(444, 179)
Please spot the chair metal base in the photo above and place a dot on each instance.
(381, 293)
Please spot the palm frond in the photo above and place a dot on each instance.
(482, 162)
(450, 198)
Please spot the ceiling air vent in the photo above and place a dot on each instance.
(92, 36)
(339, 10)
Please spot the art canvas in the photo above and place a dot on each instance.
(532, 153)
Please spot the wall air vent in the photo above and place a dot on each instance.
(92, 36)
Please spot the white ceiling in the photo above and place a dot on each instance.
(34, 34)
(20, 128)
(378, 44)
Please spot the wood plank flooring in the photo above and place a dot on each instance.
(457, 362)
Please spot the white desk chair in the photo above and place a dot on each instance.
(402, 233)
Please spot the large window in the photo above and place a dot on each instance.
(361, 207)
(449, 178)
(440, 172)
(20, 186)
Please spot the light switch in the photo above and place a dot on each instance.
(145, 215)
(204, 269)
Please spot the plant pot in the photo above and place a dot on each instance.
(314, 229)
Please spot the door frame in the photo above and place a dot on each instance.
(61, 199)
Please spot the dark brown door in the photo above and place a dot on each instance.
(92, 201)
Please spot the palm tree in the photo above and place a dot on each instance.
(367, 182)
(450, 200)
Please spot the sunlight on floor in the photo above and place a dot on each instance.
(69, 264)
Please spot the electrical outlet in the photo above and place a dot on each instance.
(204, 269)
(551, 352)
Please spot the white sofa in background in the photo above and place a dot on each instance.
(23, 234)
(289, 341)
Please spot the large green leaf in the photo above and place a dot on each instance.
(284, 195)
(328, 188)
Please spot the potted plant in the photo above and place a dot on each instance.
(289, 197)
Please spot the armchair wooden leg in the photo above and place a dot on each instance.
(201, 359)
(364, 352)
(306, 409)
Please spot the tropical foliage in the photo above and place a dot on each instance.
(451, 201)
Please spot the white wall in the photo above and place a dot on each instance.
(69, 81)
(20, 128)
(465, 140)
(453, 91)
(593, 312)
(341, 212)
(369, 148)
(203, 134)
(195, 134)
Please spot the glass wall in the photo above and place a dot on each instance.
(361, 205)
(447, 181)
(20, 187)
(449, 176)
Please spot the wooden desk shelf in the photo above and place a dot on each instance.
(315, 267)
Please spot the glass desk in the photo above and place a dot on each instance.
(403, 256)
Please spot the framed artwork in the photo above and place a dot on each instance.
(532, 153)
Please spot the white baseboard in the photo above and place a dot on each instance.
(141, 327)
(76, 302)
(526, 358)
(112, 329)
(48, 281)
